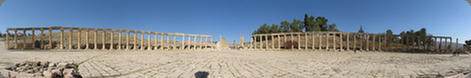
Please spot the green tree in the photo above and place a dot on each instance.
(295, 26)
(285, 25)
(421, 36)
(333, 27)
(312, 24)
(307, 22)
(275, 28)
(321, 22)
(265, 28)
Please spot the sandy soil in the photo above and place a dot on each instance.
(247, 63)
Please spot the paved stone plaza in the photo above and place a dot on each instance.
(246, 64)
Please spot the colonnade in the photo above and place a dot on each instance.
(444, 43)
(337, 41)
(104, 39)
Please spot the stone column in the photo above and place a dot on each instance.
(41, 38)
(8, 38)
(201, 42)
(86, 39)
(142, 40)
(189, 42)
(195, 42)
(161, 40)
(373, 46)
(341, 41)
(380, 42)
(134, 40)
(79, 38)
(327, 41)
(24, 39)
(285, 39)
(167, 44)
(450, 44)
(260, 41)
(262, 44)
(299, 41)
(149, 41)
(156, 40)
(266, 41)
(440, 44)
(112, 39)
(183, 42)
(363, 42)
(334, 45)
(368, 41)
(279, 41)
(250, 42)
(254, 41)
(174, 41)
(50, 38)
(33, 40)
(456, 47)
(446, 44)
(435, 47)
(16, 39)
(103, 40)
(71, 34)
(272, 41)
(95, 35)
(354, 41)
(127, 40)
(206, 42)
(313, 34)
(320, 39)
(305, 40)
(120, 39)
(347, 44)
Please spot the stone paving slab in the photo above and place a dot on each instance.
(247, 64)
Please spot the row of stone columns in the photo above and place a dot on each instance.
(339, 41)
(444, 46)
(318, 41)
(108, 39)
(22, 46)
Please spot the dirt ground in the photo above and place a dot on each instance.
(246, 63)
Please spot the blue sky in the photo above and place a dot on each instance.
(231, 19)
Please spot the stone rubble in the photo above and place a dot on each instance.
(47, 69)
